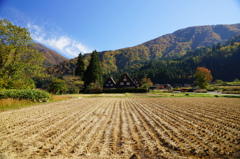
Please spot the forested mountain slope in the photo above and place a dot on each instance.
(168, 46)
(177, 43)
(50, 57)
(163, 48)
(221, 59)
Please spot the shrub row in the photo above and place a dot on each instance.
(125, 90)
(93, 90)
(31, 94)
(211, 89)
(200, 91)
(231, 90)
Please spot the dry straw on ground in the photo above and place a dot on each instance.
(123, 128)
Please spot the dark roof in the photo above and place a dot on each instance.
(137, 81)
(125, 82)
(110, 83)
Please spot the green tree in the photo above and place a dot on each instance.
(73, 83)
(19, 61)
(57, 86)
(79, 71)
(203, 76)
(236, 80)
(93, 73)
(218, 82)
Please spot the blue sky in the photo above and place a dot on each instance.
(73, 26)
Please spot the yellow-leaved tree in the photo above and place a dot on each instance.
(19, 60)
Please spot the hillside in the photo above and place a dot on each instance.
(168, 46)
(51, 57)
(221, 59)
(191, 38)
(165, 47)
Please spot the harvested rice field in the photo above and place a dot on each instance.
(123, 127)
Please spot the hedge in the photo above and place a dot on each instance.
(231, 90)
(125, 90)
(29, 94)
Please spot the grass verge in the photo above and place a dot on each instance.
(187, 94)
(10, 103)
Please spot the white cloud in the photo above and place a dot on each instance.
(46, 33)
(65, 45)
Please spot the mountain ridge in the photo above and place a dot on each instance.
(182, 38)
(171, 45)
(51, 57)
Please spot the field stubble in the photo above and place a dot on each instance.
(123, 128)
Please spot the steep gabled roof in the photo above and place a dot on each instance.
(125, 82)
(137, 81)
(110, 83)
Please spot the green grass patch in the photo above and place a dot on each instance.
(154, 94)
(233, 83)
(189, 94)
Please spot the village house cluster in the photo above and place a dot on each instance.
(124, 82)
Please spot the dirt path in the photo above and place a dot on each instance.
(123, 128)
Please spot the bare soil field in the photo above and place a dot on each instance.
(123, 127)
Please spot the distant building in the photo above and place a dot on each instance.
(137, 81)
(110, 83)
(125, 82)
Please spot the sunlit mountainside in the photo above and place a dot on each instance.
(51, 57)
(168, 47)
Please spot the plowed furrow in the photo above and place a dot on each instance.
(117, 141)
(150, 139)
(216, 126)
(107, 135)
(199, 137)
(126, 127)
(127, 138)
(97, 139)
(81, 135)
(176, 134)
(47, 119)
(55, 122)
(202, 129)
(135, 132)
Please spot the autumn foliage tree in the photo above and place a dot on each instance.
(146, 82)
(202, 77)
(19, 61)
